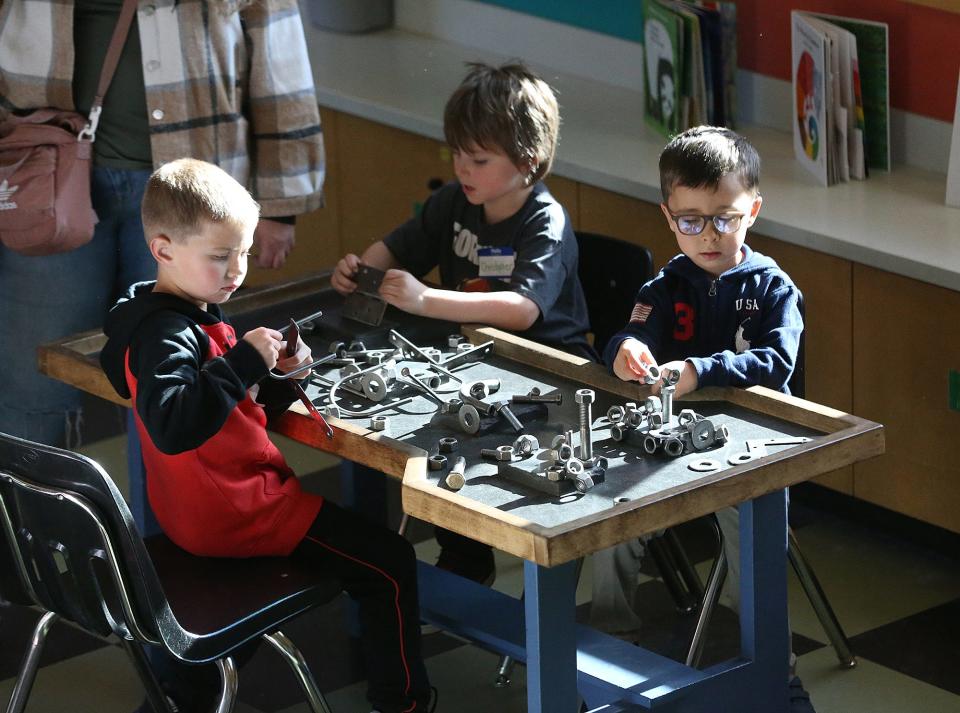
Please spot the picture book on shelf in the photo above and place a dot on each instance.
(809, 68)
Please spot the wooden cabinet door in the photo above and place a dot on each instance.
(385, 174)
(906, 342)
(629, 219)
(317, 233)
(827, 287)
(567, 192)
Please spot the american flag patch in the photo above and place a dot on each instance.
(640, 312)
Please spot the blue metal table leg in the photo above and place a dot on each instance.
(549, 605)
(137, 480)
(364, 490)
(764, 633)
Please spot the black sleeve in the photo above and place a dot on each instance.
(417, 244)
(182, 398)
(539, 272)
(276, 395)
(652, 316)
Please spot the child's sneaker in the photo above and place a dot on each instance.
(799, 698)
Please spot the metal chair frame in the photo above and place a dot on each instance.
(124, 619)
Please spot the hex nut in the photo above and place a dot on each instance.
(526, 444)
(379, 423)
(584, 396)
(653, 374)
(454, 340)
(330, 410)
(583, 483)
(615, 414)
(655, 420)
(505, 453)
(721, 434)
(574, 466)
(437, 462)
(650, 444)
(673, 447)
(634, 419)
(618, 432)
(448, 444)
(464, 347)
(653, 404)
(564, 453)
(555, 473)
(688, 416)
(629, 407)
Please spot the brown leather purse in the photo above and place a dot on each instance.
(45, 155)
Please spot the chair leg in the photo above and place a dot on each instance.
(813, 590)
(228, 684)
(141, 663)
(505, 667)
(293, 657)
(686, 570)
(30, 664)
(712, 594)
(668, 567)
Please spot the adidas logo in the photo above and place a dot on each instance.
(6, 193)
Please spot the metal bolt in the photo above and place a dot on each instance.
(415, 381)
(584, 399)
(666, 397)
(535, 397)
(451, 406)
(502, 409)
(455, 478)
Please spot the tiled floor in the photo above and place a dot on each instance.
(898, 601)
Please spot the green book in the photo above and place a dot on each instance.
(663, 63)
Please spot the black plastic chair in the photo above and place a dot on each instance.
(611, 271)
(77, 555)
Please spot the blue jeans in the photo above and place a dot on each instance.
(44, 299)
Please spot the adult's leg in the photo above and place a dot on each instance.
(615, 572)
(378, 570)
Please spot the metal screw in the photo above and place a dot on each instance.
(415, 381)
(584, 399)
(503, 409)
(455, 478)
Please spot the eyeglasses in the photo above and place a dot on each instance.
(725, 223)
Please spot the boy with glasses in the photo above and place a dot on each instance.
(720, 313)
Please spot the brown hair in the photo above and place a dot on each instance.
(506, 107)
(182, 194)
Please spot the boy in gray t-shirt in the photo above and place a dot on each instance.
(505, 247)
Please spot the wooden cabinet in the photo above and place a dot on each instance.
(318, 233)
(907, 339)
(567, 192)
(629, 219)
(384, 175)
(827, 287)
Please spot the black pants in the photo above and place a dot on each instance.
(378, 570)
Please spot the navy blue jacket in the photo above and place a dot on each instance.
(739, 329)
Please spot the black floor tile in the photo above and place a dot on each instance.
(16, 627)
(322, 635)
(922, 646)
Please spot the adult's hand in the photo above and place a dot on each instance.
(273, 241)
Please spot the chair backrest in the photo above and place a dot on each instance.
(73, 541)
(611, 271)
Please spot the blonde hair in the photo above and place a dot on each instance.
(182, 194)
(506, 107)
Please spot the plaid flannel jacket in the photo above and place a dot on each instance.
(231, 87)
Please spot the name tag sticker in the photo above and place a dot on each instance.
(496, 262)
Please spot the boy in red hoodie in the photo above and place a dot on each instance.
(217, 484)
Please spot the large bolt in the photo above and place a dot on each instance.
(455, 478)
(584, 399)
(502, 409)
(666, 396)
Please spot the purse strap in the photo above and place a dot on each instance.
(110, 61)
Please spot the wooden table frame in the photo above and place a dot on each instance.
(564, 659)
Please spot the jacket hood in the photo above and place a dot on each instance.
(753, 262)
(125, 317)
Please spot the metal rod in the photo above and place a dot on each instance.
(295, 660)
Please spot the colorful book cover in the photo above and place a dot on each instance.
(728, 53)
(809, 69)
(873, 63)
(663, 53)
(953, 167)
